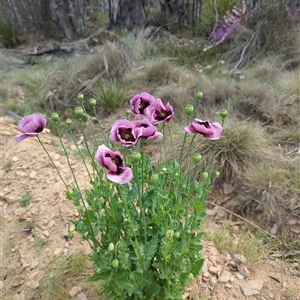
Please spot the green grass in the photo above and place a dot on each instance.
(25, 199)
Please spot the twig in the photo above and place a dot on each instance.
(247, 221)
(215, 287)
(243, 53)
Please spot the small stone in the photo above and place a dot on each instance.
(213, 251)
(204, 267)
(51, 223)
(35, 284)
(241, 258)
(1, 284)
(55, 189)
(46, 233)
(240, 276)
(228, 188)
(34, 210)
(213, 270)
(75, 290)
(295, 229)
(251, 287)
(206, 274)
(225, 276)
(33, 175)
(34, 264)
(21, 174)
(58, 251)
(213, 280)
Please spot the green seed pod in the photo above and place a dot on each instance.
(197, 158)
(189, 109)
(55, 117)
(70, 235)
(217, 174)
(164, 170)
(93, 102)
(80, 209)
(135, 157)
(199, 96)
(177, 234)
(204, 175)
(115, 263)
(190, 277)
(223, 113)
(127, 112)
(79, 113)
(170, 233)
(80, 97)
(69, 122)
(154, 178)
(98, 271)
(111, 247)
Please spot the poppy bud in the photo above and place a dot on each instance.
(127, 112)
(80, 209)
(69, 122)
(154, 178)
(223, 113)
(55, 117)
(177, 235)
(164, 170)
(217, 174)
(135, 157)
(79, 113)
(111, 247)
(189, 109)
(115, 263)
(199, 96)
(170, 233)
(80, 97)
(190, 277)
(70, 235)
(93, 102)
(204, 175)
(196, 158)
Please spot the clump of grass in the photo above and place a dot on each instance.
(239, 144)
(64, 274)
(109, 96)
(25, 199)
(161, 73)
(8, 34)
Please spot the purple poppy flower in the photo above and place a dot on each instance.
(113, 162)
(158, 112)
(149, 131)
(211, 131)
(140, 102)
(125, 132)
(30, 125)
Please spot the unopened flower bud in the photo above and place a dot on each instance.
(154, 178)
(80, 97)
(196, 158)
(164, 170)
(127, 112)
(177, 235)
(70, 235)
(199, 96)
(80, 209)
(223, 113)
(135, 157)
(204, 175)
(55, 117)
(69, 122)
(217, 174)
(111, 247)
(115, 263)
(189, 109)
(79, 113)
(93, 102)
(170, 233)
(190, 277)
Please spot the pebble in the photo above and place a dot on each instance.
(213, 280)
(1, 284)
(225, 276)
(75, 290)
(213, 270)
(34, 264)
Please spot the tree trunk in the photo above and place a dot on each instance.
(127, 14)
(63, 18)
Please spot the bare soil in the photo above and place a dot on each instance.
(33, 236)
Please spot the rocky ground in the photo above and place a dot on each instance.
(32, 236)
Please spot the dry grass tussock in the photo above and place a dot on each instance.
(240, 144)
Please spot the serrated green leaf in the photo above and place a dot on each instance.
(150, 251)
(126, 284)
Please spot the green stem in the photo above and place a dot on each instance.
(101, 129)
(172, 145)
(41, 143)
(79, 151)
(90, 124)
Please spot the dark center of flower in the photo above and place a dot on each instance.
(162, 115)
(206, 124)
(117, 160)
(127, 135)
(143, 105)
(39, 129)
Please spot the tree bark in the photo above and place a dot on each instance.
(63, 18)
(127, 14)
